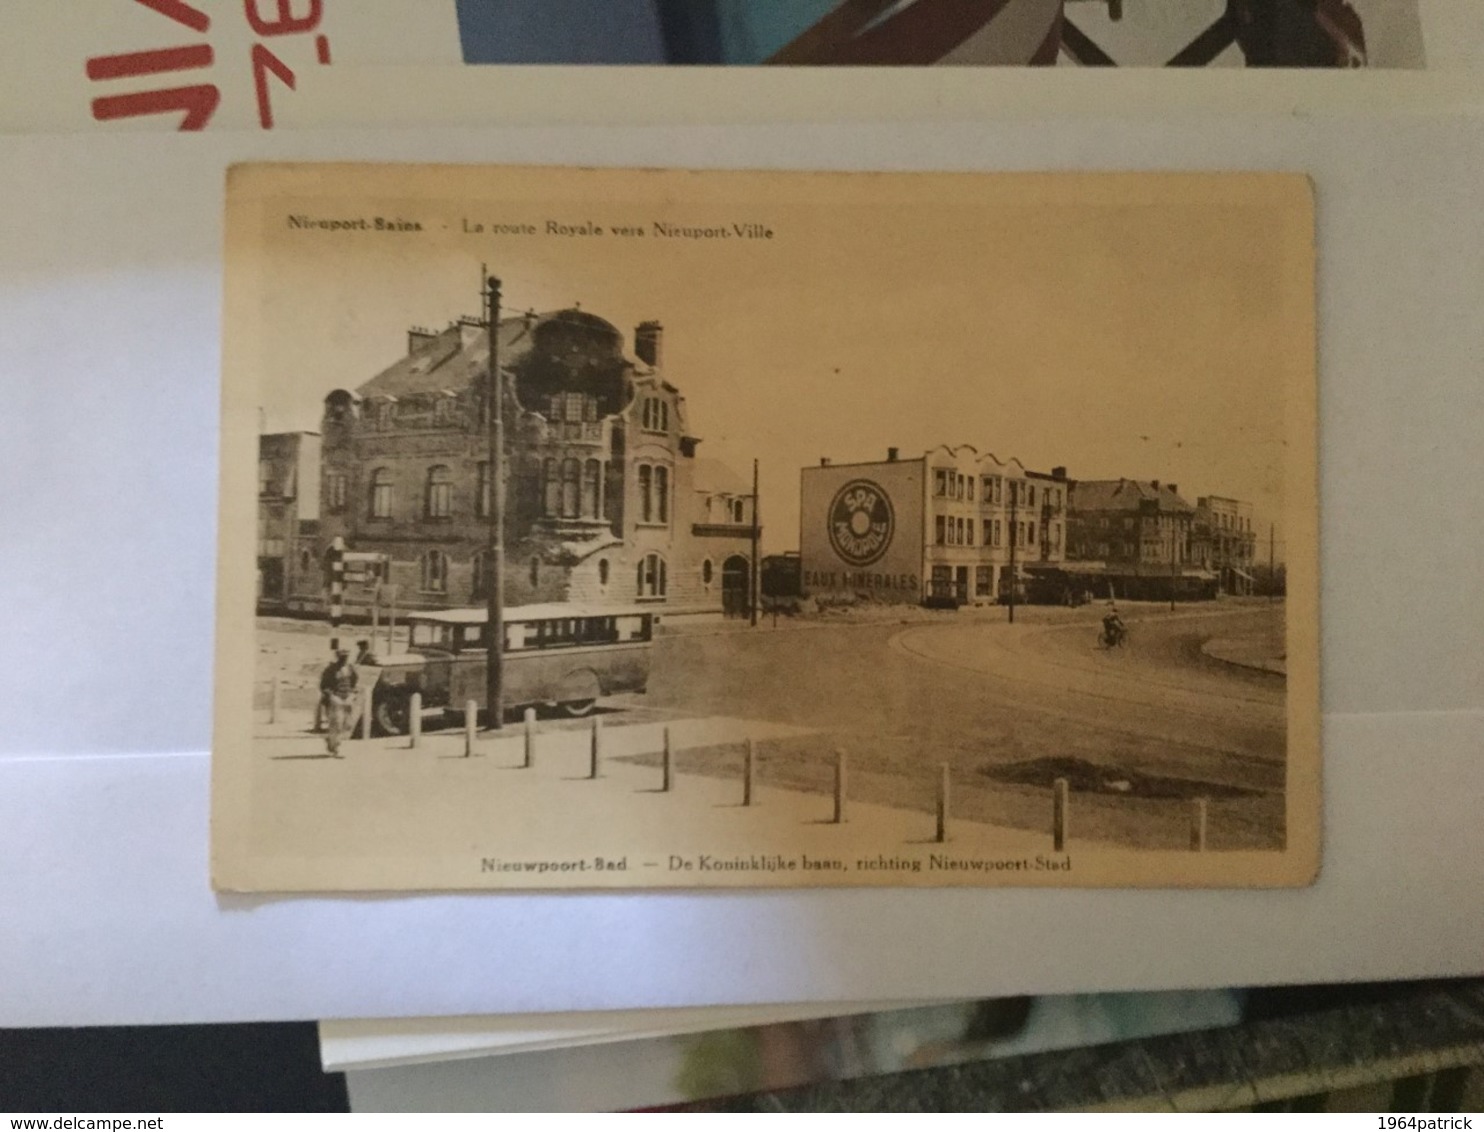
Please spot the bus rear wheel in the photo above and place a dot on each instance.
(579, 694)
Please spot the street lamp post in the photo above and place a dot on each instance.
(754, 596)
(1014, 486)
(494, 690)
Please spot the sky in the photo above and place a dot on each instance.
(1154, 328)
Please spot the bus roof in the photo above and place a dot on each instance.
(547, 611)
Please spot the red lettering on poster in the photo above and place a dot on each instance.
(149, 62)
(181, 13)
(287, 23)
(198, 103)
(264, 61)
(267, 18)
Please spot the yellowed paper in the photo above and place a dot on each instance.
(844, 529)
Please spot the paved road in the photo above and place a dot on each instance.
(980, 690)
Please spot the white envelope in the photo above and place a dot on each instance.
(109, 327)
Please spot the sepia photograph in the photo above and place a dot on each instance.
(620, 528)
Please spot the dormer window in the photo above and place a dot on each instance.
(386, 415)
(655, 414)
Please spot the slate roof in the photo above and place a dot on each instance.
(1124, 495)
(453, 359)
(716, 478)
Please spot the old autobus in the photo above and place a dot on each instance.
(558, 655)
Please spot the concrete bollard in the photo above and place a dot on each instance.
(1198, 825)
(668, 779)
(1059, 814)
(841, 772)
(366, 713)
(273, 699)
(414, 720)
(943, 786)
(749, 772)
(471, 726)
(530, 722)
(597, 748)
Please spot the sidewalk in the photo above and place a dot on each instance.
(503, 825)
(1264, 654)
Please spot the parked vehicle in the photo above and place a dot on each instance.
(558, 655)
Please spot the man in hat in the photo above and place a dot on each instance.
(337, 685)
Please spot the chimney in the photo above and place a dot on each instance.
(1059, 473)
(891, 455)
(1154, 484)
(417, 337)
(649, 344)
(824, 461)
(1174, 488)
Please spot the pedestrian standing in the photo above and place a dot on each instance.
(337, 685)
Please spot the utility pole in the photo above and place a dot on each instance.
(1272, 565)
(1174, 545)
(1014, 486)
(756, 589)
(494, 687)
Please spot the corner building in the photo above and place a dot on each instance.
(606, 499)
(953, 525)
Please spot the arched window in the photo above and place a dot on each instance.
(603, 572)
(381, 493)
(479, 576)
(654, 493)
(552, 490)
(439, 502)
(591, 479)
(336, 484)
(708, 571)
(571, 487)
(662, 494)
(482, 499)
(651, 578)
(646, 493)
(737, 512)
(435, 572)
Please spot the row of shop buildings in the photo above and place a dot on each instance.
(607, 498)
(963, 527)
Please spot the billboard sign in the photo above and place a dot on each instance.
(861, 530)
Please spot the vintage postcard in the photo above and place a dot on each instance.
(652, 528)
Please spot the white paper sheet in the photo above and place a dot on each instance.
(376, 1043)
(109, 319)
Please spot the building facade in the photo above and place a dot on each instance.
(1135, 539)
(953, 526)
(605, 498)
(288, 514)
(1226, 542)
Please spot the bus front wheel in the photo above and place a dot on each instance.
(392, 713)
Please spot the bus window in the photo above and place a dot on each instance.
(518, 635)
(471, 636)
(632, 628)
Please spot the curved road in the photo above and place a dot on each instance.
(974, 691)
